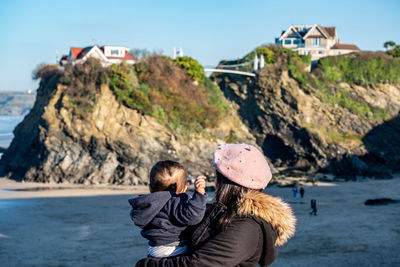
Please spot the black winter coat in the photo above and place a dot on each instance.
(262, 222)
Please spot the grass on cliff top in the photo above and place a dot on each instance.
(366, 69)
(325, 79)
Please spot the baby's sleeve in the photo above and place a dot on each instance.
(191, 211)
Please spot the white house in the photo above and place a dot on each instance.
(106, 54)
(314, 40)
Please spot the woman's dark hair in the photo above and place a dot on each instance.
(227, 193)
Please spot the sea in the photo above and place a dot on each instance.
(7, 125)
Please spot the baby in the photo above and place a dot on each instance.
(167, 210)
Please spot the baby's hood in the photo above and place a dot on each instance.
(146, 207)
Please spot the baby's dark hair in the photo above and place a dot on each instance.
(167, 175)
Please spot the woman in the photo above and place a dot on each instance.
(245, 225)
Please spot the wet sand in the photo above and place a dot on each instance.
(80, 226)
(10, 189)
(345, 232)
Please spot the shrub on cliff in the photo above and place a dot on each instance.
(395, 48)
(266, 52)
(155, 86)
(175, 98)
(192, 67)
(298, 66)
(83, 82)
(361, 68)
(44, 71)
(324, 80)
(123, 81)
(49, 76)
(196, 72)
(273, 53)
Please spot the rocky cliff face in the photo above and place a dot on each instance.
(92, 125)
(299, 130)
(110, 143)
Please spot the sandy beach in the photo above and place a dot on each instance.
(10, 189)
(74, 225)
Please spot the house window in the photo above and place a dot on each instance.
(114, 52)
(316, 42)
(288, 42)
(296, 41)
(320, 52)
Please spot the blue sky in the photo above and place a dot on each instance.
(34, 32)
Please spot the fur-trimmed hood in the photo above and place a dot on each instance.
(271, 209)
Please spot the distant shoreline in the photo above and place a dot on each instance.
(16, 103)
(7, 126)
(10, 189)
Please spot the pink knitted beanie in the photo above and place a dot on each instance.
(242, 164)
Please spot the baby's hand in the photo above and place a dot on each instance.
(200, 184)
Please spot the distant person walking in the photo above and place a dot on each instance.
(313, 207)
(301, 192)
(294, 190)
(313, 181)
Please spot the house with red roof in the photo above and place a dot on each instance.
(107, 55)
(314, 40)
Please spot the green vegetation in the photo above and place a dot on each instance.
(123, 81)
(364, 69)
(50, 76)
(298, 66)
(83, 82)
(176, 100)
(274, 54)
(231, 138)
(215, 96)
(342, 97)
(395, 51)
(177, 94)
(329, 91)
(361, 68)
(192, 67)
(334, 136)
(266, 52)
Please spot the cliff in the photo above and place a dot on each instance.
(86, 128)
(314, 123)
(93, 125)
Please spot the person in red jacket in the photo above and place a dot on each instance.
(244, 226)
